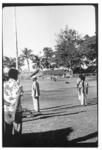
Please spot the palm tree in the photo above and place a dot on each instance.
(36, 60)
(20, 62)
(9, 62)
(27, 54)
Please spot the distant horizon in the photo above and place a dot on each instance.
(37, 26)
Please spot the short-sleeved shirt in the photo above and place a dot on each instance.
(11, 89)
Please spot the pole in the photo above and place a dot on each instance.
(16, 40)
(96, 23)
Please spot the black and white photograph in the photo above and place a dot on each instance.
(50, 75)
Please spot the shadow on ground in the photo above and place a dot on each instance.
(56, 111)
(57, 138)
(48, 115)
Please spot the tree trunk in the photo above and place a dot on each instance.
(28, 65)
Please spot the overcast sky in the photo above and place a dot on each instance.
(38, 25)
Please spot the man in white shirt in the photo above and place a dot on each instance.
(82, 86)
(35, 93)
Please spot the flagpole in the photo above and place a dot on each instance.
(16, 39)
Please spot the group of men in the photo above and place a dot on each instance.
(13, 92)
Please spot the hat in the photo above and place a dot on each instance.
(35, 74)
(33, 77)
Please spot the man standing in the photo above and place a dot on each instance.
(79, 88)
(82, 86)
(12, 92)
(35, 92)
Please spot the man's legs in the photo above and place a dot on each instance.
(79, 96)
(85, 99)
(82, 98)
(35, 104)
(38, 105)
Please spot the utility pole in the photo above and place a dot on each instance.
(16, 39)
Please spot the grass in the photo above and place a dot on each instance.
(63, 122)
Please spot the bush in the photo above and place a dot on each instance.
(54, 72)
(78, 70)
(91, 69)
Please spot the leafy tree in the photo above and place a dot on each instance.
(26, 55)
(86, 37)
(47, 57)
(48, 52)
(9, 62)
(45, 63)
(36, 61)
(88, 48)
(20, 62)
(66, 51)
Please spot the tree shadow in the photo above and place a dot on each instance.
(48, 115)
(77, 141)
(59, 114)
(56, 111)
(57, 138)
(61, 107)
(49, 111)
(55, 107)
(43, 139)
(26, 112)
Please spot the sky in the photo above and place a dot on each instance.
(37, 26)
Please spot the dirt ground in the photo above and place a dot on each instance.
(62, 122)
